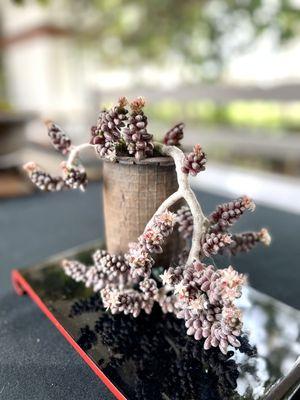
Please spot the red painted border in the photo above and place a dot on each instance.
(21, 287)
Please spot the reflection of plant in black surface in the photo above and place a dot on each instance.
(164, 364)
(87, 338)
(162, 356)
(89, 304)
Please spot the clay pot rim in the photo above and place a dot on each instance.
(161, 160)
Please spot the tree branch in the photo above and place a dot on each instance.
(75, 151)
(184, 191)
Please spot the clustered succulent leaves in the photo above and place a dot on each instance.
(191, 288)
(120, 131)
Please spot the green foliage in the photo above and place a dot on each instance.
(203, 33)
(5, 106)
(255, 115)
(22, 2)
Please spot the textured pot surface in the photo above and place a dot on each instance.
(132, 193)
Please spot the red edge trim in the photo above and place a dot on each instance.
(21, 287)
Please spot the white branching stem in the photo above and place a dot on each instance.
(75, 151)
(165, 205)
(184, 191)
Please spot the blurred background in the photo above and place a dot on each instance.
(230, 69)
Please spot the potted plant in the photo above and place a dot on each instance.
(156, 253)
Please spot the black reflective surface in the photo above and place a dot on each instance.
(151, 357)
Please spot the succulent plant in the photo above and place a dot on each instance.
(203, 295)
(185, 222)
(42, 179)
(138, 139)
(59, 139)
(174, 135)
(227, 214)
(194, 162)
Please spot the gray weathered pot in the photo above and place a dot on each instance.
(132, 192)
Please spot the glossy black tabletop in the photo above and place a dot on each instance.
(151, 357)
(36, 362)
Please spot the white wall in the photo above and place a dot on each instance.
(44, 73)
(266, 64)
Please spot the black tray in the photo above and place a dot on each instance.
(151, 357)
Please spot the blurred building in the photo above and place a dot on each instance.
(47, 70)
(43, 66)
(266, 65)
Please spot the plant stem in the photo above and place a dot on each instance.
(75, 151)
(184, 191)
(165, 205)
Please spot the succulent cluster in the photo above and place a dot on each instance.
(114, 274)
(106, 134)
(150, 242)
(217, 239)
(58, 137)
(107, 270)
(214, 243)
(194, 162)
(247, 240)
(110, 122)
(198, 292)
(227, 214)
(205, 300)
(223, 218)
(206, 303)
(72, 178)
(138, 140)
(185, 222)
(42, 179)
(75, 270)
(174, 135)
(121, 130)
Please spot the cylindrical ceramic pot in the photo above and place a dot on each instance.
(132, 192)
